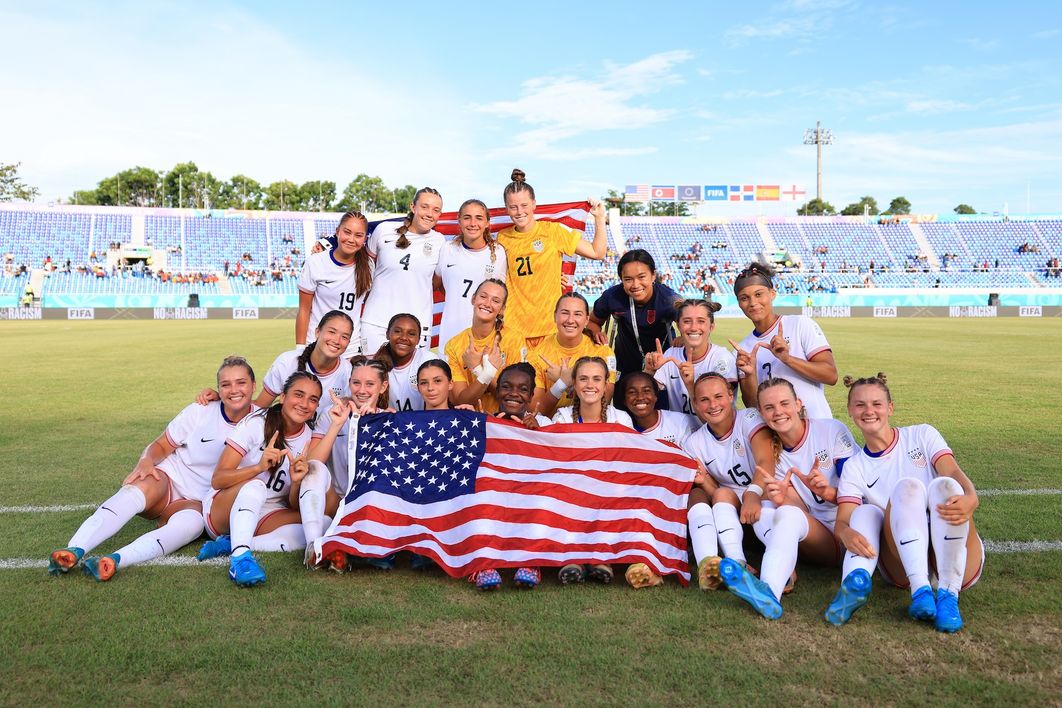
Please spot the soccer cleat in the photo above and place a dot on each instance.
(102, 568)
(708, 573)
(489, 579)
(749, 588)
(854, 593)
(63, 559)
(600, 573)
(385, 563)
(948, 617)
(572, 573)
(220, 546)
(640, 575)
(923, 605)
(337, 561)
(527, 577)
(245, 571)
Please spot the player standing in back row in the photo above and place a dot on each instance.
(791, 347)
(534, 250)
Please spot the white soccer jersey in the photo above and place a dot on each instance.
(402, 281)
(462, 270)
(829, 441)
(337, 380)
(199, 433)
(805, 340)
(728, 459)
(716, 359)
(249, 439)
(672, 427)
(402, 392)
(333, 287)
(340, 455)
(870, 476)
(612, 415)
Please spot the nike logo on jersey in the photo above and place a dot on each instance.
(673, 376)
(450, 265)
(871, 484)
(202, 440)
(327, 282)
(904, 543)
(391, 241)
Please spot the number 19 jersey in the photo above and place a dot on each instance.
(332, 285)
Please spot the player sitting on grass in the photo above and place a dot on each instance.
(168, 483)
(907, 481)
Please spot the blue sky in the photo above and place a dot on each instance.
(941, 102)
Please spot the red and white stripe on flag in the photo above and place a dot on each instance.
(590, 493)
(572, 215)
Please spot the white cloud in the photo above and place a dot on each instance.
(1047, 33)
(980, 44)
(565, 107)
(745, 94)
(936, 106)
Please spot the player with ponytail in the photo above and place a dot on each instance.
(903, 501)
(479, 353)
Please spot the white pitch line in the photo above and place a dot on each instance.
(1017, 492)
(171, 561)
(45, 509)
(1022, 546)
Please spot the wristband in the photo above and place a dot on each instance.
(755, 489)
(485, 373)
(558, 389)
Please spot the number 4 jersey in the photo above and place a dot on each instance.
(728, 458)
(332, 285)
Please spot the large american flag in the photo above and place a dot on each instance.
(475, 492)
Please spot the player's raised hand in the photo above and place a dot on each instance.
(206, 396)
(813, 480)
(597, 207)
(744, 360)
(686, 368)
(529, 420)
(776, 489)
(471, 357)
(298, 467)
(340, 410)
(271, 455)
(654, 360)
(494, 355)
(778, 346)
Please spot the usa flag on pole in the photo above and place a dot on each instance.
(474, 492)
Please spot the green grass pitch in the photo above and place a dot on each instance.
(81, 399)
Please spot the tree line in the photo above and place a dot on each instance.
(188, 186)
(867, 205)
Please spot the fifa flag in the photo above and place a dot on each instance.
(663, 193)
(689, 193)
(715, 193)
(768, 193)
(474, 492)
(636, 193)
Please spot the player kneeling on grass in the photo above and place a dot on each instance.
(803, 505)
(906, 481)
(168, 483)
(735, 448)
(264, 484)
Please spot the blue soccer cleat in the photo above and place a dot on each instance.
(221, 546)
(854, 593)
(102, 568)
(948, 618)
(63, 559)
(749, 588)
(923, 605)
(385, 563)
(245, 571)
(527, 577)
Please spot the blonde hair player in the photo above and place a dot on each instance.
(336, 279)
(406, 255)
(735, 449)
(534, 250)
(803, 505)
(168, 483)
(905, 481)
(466, 262)
(478, 354)
(790, 347)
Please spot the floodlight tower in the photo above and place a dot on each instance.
(818, 136)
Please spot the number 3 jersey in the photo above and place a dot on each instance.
(199, 433)
(828, 441)
(870, 476)
(332, 285)
(248, 439)
(805, 340)
(728, 459)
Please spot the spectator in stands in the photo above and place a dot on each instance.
(28, 297)
(642, 309)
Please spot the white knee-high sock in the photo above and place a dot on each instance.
(910, 529)
(181, 529)
(949, 540)
(867, 519)
(780, 558)
(109, 518)
(312, 500)
(728, 527)
(289, 537)
(766, 522)
(702, 531)
(244, 515)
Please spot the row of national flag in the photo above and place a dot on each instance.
(714, 193)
